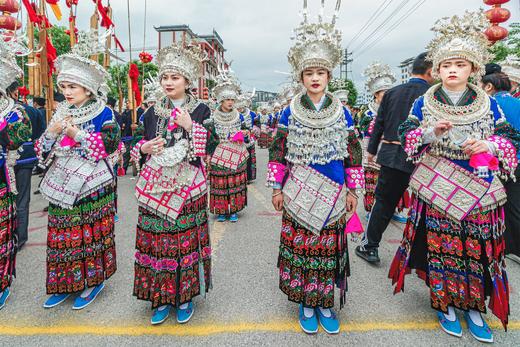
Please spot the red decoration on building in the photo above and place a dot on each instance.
(145, 57)
(496, 15)
(133, 73)
(6, 20)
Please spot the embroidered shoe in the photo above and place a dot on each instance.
(159, 316)
(116, 218)
(370, 255)
(329, 324)
(400, 218)
(81, 303)
(450, 327)
(55, 300)
(480, 333)
(233, 218)
(221, 218)
(308, 324)
(3, 297)
(184, 315)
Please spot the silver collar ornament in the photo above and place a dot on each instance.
(316, 45)
(379, 77)
(461, 38)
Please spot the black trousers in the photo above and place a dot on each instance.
(512, 212)
(23, 185)
(391, 185)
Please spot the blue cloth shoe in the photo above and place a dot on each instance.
(399, 218)
(3, 297)
(233, 218)
(450, 327)
(159, 316)
(184, 315)
(116, 218)
(480, 333)
(221, 218)
(329, 324)
(55, 300)
(308, 324)
(81, 303)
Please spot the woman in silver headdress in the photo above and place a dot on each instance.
(15, 129)
(79, 182)
(461, 144)
(227, 147)
(173, 250)
(315, 172)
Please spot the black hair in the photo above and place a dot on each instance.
(421, 64)
(13, 87)
(499, 80)
(492, 68)
(111, 101)
(58, 97)
(38, 100)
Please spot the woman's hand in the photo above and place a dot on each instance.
(154, 146)
(442, 127)
(277, 199)
(184, 120)
(57, 127)
(352, 202)
(472, 147)
(71, 131)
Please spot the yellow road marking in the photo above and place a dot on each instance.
(216, 233)
(212, 329)
(261, 198)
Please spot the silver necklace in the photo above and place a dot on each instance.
(317, 119)
(81, 114)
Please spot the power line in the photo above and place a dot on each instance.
(399, 7)
(372, 19)
(398, 22)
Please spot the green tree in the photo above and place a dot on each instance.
(510, 46)
(352, 91)
(119, 77)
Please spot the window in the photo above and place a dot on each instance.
(166, 38)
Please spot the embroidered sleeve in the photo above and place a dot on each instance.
(100, 145)
(364, 122)
(411, 135)
(277, 163)
(212, 138)
(135, 154)
(17, 130)
(506, 141)
(355, 151)
(355, 178)
(199, 138)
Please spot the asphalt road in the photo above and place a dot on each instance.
(245, 306)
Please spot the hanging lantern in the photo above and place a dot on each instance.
(496, 15)
(145, 57)
(6, 20)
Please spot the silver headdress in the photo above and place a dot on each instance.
(340, 86)
(227, 86)
(262, 106)
(184, 60)
(316, 44)
(10, 47)
(77, 67)
(379, 77)
(511, 67)
(152, 89)
(289, 91)
(245, 99)
(461, 37)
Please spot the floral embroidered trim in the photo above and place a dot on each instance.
(506, 155)
(135, 154)
(414, 140)
(275, 173)
(355, 177)
(95, 146)
(199, 136)
(171, 264)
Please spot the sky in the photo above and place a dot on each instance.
(256, 33)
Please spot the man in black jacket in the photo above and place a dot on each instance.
(24, 167)
(395, 169)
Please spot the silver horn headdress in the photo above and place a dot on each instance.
(316, 44)
(227, 86)
(379, 77)
(10, 47)
(185, 60)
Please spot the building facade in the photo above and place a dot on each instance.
(405, 68)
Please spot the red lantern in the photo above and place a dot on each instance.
(9, 23)
(498, 15)
(9, 6)
(495, 2)
(145, 57)
(496, 33)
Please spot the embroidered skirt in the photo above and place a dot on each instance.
(7, 236)
(462, 263)
(228, 189)
(251, 164)
(311, 265)
(371, 176)
(173, 259)
(265, 140)
(80, 243)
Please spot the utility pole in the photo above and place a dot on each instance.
(345, 70)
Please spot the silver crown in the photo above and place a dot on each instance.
(316, 44)
(77, 67)
(511, 67)
(227, 86)
(289, 91)
(10, 47)
(461, 37)
(340, 86)
(379, 77)
(185, 60)
(152, 89)
(245, 99)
